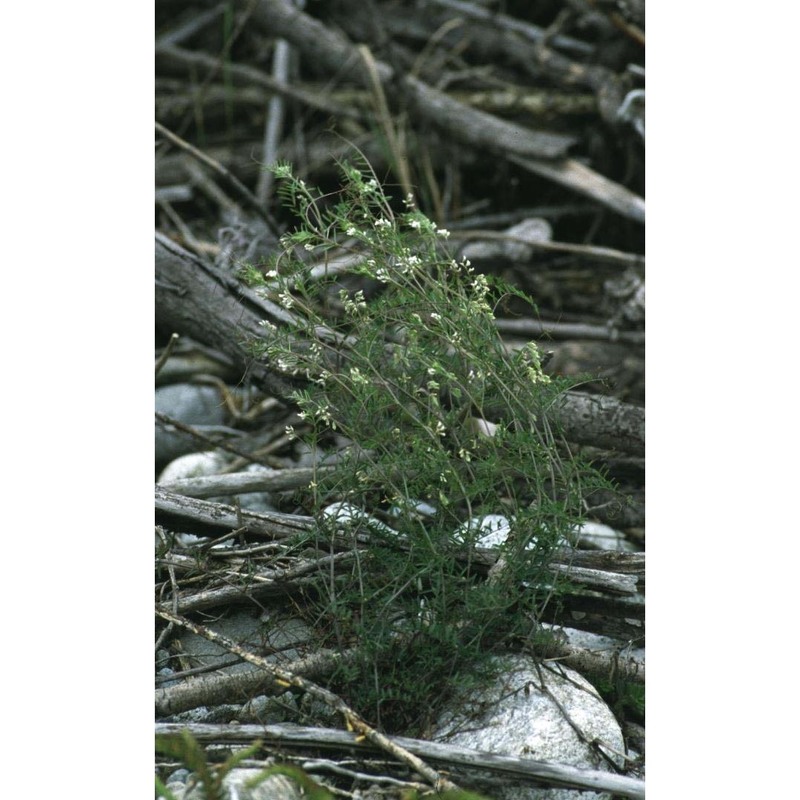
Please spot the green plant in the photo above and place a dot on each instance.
(394, 347)
(184, 747)
(310, 788)
(627, 699)
(457, 794)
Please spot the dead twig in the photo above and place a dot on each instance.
(164, 357)
(249, 198)
(353, 721)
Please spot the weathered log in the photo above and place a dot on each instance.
(601, 421)
(216, 689)
(213, 307)
(615, 573)
(541, 154)
(519, 769)
(219, 515)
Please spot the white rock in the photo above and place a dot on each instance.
(515, 717)
(489, 530)
(350, 515)
(192, 465)
(531, 230)
(197, 465)
(413, 507)
(275, 787)
(603, 537)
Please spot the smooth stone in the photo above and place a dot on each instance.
(514, 717)
(275, 787)
(603, 537)
(198, 406)
(197, 465)
(351, 516)
(261, 635)
(193, 465)
(490, 530)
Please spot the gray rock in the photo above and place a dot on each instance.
(514, 716)
(261, 635)
(241, 626)
(275, 787)
(199, 406)
(260, 502)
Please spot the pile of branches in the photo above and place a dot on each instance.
(490, 117)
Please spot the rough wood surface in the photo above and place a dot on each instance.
(446, 754)
(541, 154)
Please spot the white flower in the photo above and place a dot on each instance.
(287, 301)
(351, 231)
(358, 377)
(382, 223)
(444, 233)
(290, 432)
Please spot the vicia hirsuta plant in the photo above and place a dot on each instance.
(394, 346)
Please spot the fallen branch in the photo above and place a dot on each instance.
(526, 148)
(217, 689)
(244, 193)
(353, 720)
(519, 769)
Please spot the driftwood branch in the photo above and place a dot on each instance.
(354, 721)
(241, 190)
(614, 573)
(601, 663)
(244, 482)
(171, 58)
(218, 689)
(453, 756)
(542, 154)
(219, 515)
